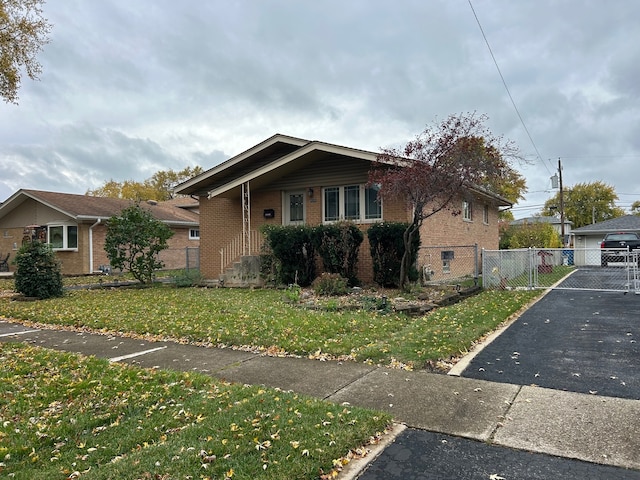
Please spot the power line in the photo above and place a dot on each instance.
(507, 89)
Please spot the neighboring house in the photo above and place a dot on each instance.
(75, 226)
(554, 221)
(290, 181)
(590, 236)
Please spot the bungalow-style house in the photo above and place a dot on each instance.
(74, 225)
(288, 181)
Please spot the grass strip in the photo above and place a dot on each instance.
(68, 416)
(262, 319)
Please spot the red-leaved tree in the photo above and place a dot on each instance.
(444, 163)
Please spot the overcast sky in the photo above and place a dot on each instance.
(132, 87)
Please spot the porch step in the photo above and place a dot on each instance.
(243, 273)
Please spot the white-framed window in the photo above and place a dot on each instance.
(358, 203)
(467, 211)
(62, 236)
(194, 234)
(485, 214)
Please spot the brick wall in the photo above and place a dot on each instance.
(221, 223)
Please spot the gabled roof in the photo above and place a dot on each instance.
(626, 223)
(272, 159)
(86, 207)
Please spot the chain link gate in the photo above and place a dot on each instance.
(561, 268)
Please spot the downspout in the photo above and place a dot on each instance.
(91, 244)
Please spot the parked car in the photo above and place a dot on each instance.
(617, 247)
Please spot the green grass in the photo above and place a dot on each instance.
(67, 416)
(262, 319)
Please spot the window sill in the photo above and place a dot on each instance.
(65, 249)
(357, 222)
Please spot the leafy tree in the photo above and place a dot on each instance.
(504, 232)
(159, 187)
(133, 241)
(164, 181)
(23, 32)
(585, 203)
(432, 172)
(533, 234)
(510, 185)
(635, 208)
(38, 271)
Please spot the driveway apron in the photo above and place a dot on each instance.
(578, 341)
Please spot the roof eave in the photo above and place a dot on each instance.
(190, 186)
(309, 147)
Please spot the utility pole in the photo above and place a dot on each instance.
(561, 203)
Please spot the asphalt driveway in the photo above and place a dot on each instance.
(579, 341)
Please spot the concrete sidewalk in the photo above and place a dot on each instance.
(595, 429)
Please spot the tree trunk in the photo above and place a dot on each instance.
(405, 263)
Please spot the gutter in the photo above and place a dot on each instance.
(91, 244)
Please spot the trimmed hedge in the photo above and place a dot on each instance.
(338, 245)
(292, 252)
(387, 248)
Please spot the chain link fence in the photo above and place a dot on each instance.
(187, 258)
(562, 268)
(449, 264)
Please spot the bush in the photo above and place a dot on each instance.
(330, 284)
(38, 271)
(187, 278)
(387, 248)
(294, 254)
(338, 245)
(134, 239)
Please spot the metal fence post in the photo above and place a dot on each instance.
(475, 263)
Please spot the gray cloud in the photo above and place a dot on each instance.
(132, 87)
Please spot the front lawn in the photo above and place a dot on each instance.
(65, 416)
(263, 319)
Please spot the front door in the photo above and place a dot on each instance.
(294, 211)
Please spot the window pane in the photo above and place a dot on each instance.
(331, 204)
(296, 207)
(372, 204)
(72, 237)
(56, 237)
(466, 210)
(352, 202)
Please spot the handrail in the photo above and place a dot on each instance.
(234, 249)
